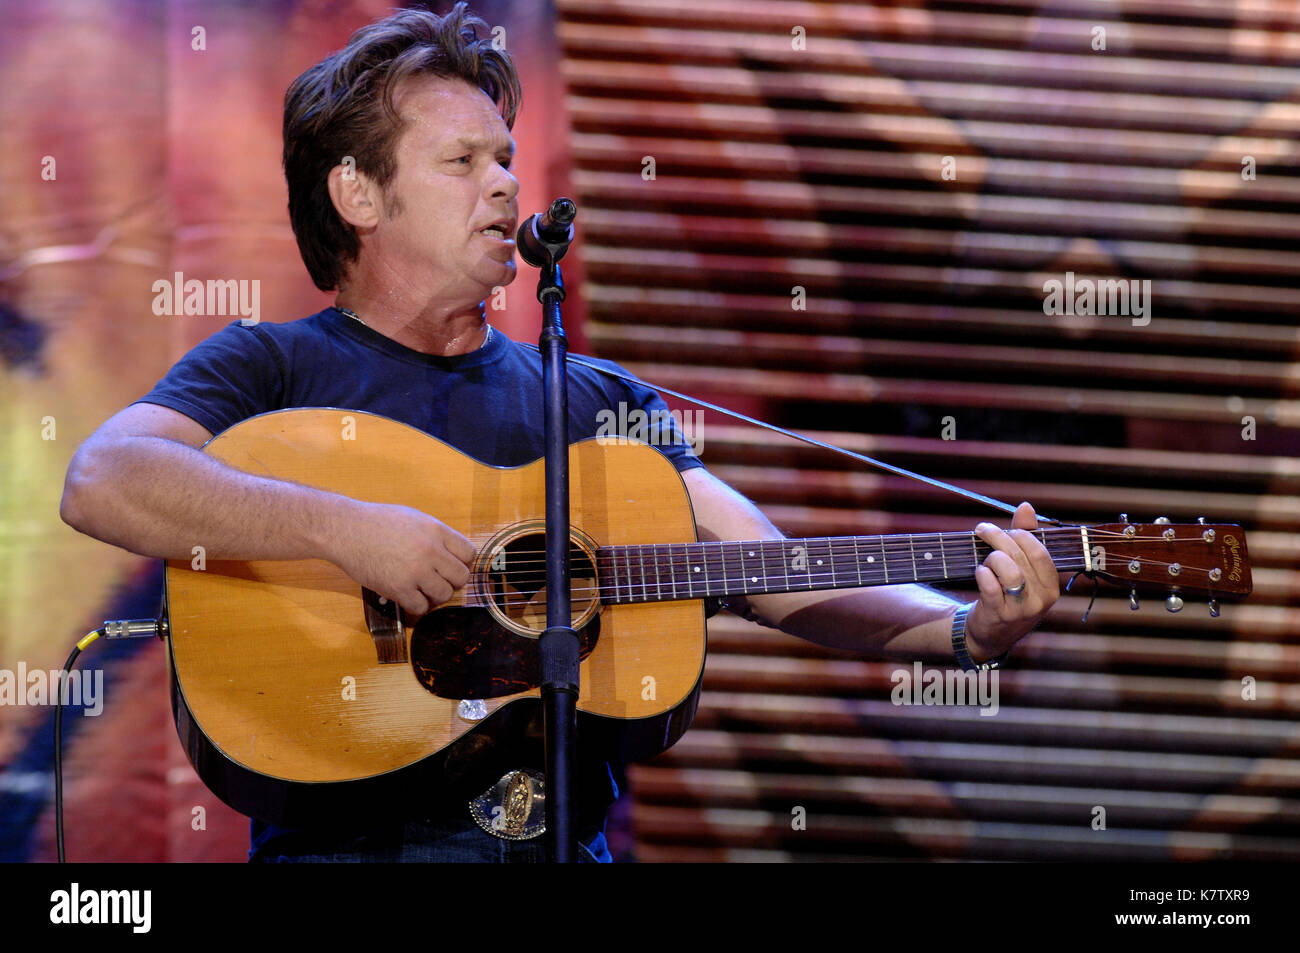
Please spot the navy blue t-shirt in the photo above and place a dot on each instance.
(487, 404)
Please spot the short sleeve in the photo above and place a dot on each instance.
(235, 374)
(677, 434)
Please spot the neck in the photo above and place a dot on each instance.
(665, 572)
(431, 324)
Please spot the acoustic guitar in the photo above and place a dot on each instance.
(302, 698)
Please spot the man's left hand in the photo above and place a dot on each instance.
(1005, 612)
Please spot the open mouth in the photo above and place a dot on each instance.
(498, 231)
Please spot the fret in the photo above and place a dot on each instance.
(884, 558)
(627, 562)
(927, 557)
(943, 559)
(762, 556)
(974, 555)
(830, 559)
(611, 576)
(672, 569)
(645, 590)
(710, 581)
(748, 578)
(604, 573)
(659, 586)
(690, 571)
(857, 561)
(911, 545)
(785, 567)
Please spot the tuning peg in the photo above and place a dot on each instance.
(1214, 608)
(1133, 600)
(1162, 520)
(1201, 520)
(1173, 603)
(1123, 517)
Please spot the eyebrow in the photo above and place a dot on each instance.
(473, 144)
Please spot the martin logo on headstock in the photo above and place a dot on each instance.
(1198, 559)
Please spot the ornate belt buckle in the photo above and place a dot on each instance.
(514, 808)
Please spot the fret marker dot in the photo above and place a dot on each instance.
(753, 579)
(751, 552)
(819, 562)
(871, 559)
(696, 568)
(929, 555)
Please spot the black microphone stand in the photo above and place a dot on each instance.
(558, 647)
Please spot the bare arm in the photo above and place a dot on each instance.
(140, 482)
(907, 621)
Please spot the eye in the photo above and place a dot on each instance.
(465, 159)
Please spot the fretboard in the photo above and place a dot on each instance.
(664, 572)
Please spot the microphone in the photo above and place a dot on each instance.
(546, 236)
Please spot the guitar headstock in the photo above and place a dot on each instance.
(1205, 560)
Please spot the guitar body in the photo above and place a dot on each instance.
(294, 711)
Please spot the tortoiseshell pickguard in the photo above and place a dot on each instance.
(462, 652)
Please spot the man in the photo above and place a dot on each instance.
(397, 152)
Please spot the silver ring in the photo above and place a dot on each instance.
(1016, 591)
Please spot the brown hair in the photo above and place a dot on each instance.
(344, 106)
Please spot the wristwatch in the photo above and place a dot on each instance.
(959, 645)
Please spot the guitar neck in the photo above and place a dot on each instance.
(665, 572)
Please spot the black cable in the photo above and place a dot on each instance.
(58, 739)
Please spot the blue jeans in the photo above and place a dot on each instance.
(431, 841)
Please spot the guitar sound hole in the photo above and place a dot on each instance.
(490, 650)
(515, 584)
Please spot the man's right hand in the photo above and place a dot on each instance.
(142, 482)
(401, 553)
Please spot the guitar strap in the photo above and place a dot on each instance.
(860, 457)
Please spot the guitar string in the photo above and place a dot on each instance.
(648, 555)
(902, 541)
(733, 572)
(824, 579)
(726, 552)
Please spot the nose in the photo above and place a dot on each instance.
(502, 183)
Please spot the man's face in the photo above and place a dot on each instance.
(452, 182)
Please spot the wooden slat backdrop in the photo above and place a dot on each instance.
(823, 168)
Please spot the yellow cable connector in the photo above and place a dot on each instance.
(89, 637)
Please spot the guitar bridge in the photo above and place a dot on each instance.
(384, 620)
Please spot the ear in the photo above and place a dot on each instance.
(355, 196)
